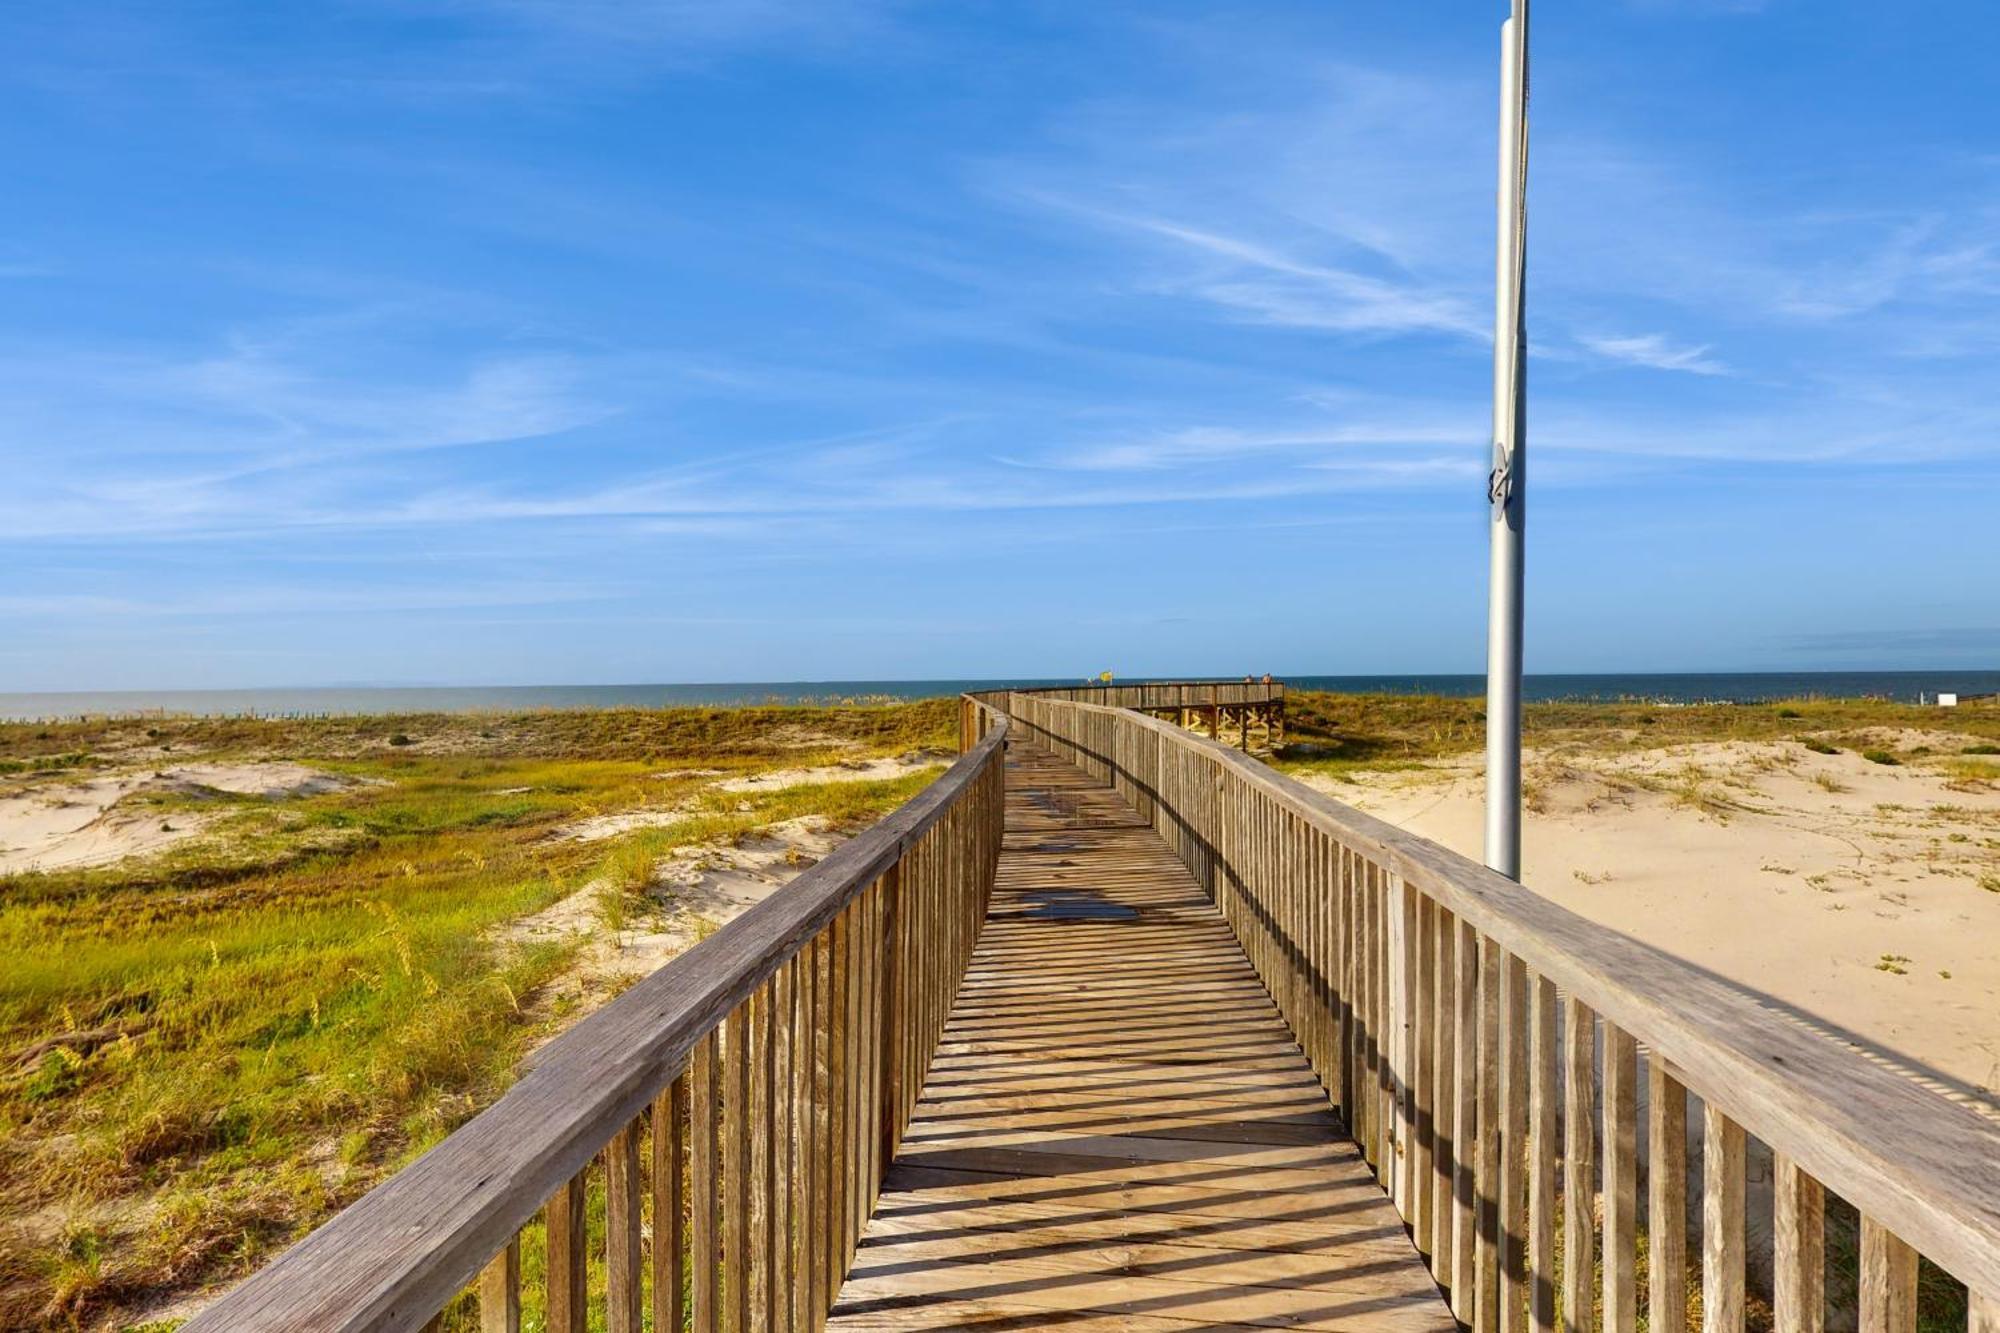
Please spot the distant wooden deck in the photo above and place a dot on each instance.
(1119, 1131)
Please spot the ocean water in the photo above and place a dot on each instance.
(1685, 687)
(1691, 687)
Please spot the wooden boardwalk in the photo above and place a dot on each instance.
(1119, 1131)
(1118, 1127)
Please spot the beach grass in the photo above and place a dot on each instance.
(205, 1052)
(1338, 734)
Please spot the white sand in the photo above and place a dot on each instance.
(694, 889)
(858, 770)
(719, 881)
(597, 828)
(87, 823)
(1733, 856)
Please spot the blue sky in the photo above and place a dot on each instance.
(516, 341)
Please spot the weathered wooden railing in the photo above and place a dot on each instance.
(1148, 695)
(1145, 694)
(1473, 1033)
(709, 1144)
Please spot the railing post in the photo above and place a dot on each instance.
(1401, 994)
(893, 931)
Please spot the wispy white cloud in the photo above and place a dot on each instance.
(902, 472)
(288, 599)
(342, 390)
(1923, 261)
(1655, 351)
(1190, 446)
(453, 53)
(1256, 282)
(685, 24)
(1333, 201)
(1264, 284)
(268, 427)
(1701, 6)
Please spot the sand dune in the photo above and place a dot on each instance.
(96, 821)
(1866, 895)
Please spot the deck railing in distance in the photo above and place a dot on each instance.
(711, 1142)
(1144, 694)
(1473, 1034)
(1156, 695)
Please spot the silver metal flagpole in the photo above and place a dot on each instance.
(1506, 485)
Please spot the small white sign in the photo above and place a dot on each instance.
(1947, 701)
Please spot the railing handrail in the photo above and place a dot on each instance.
(1159, 694)
(1924, 1166)
(400, 1252)
(1198, 682)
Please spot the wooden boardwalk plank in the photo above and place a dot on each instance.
(1118, 1131)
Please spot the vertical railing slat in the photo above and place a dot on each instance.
(624, 1285)
(1486, 1305)
(1348, 928)
(1402, 977)
(1621, 1180)
(1542, 1159)
(568, 1257)
(500, 1291)
(1666, 1199)
(670, 1243)
(1513, 1184)
(1888, 1281)
(1579, 1165)
(1444, 1101)
(759, 1121)
(1798, 1245)
(704, 1189)
(850, 1144)
(813, 1130)
(793, 1080)
(1423, 1024)
(784, 1154)
(1722, 1270)
(1465, 1124)
(735, 1158)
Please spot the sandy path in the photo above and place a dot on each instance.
(1848, 889)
